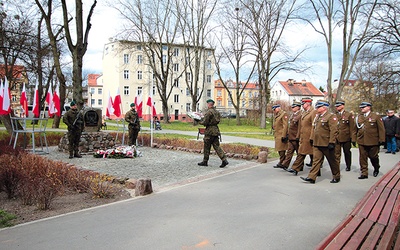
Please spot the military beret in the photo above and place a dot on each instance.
(365, 104)
(72, 103)
(132, 105)
(296, 104)
(275, 106)
(210, 100)
(305, 99)
(321, 103)
(339, 103)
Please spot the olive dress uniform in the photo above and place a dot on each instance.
(211, 135)
(304, 135)
(280, 135)
(73, 118)
(132, 118)
(346, 136)
(324, 136)
(370, 134)
(293, 145)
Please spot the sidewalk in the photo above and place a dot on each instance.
(256, 208)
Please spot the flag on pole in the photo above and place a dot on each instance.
(138, 104)
(24, 101)
(36, 104)
(6, 107)
(117, 104)
(56, 101)
(151, 104)
(1, 97)
(50, 102)
(110, 109)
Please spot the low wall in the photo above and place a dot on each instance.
(90, 142)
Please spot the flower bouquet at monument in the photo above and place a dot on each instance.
(118, 152)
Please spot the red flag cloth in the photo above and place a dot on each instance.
(110, 109)
(36, 104)
(24, 101)
(117, 104)
(150, 103)
(56, 101)
(50, 103)
(139, 104)
(6, 107)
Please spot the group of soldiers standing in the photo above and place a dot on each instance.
(320, 134)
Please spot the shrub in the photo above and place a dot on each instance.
(6, 218)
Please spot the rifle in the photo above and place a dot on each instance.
(78, 118)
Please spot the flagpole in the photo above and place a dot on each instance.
(151, 110)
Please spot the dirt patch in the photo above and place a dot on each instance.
(66, 203)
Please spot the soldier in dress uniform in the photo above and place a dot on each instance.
(73, 118)
(347, 133)
(280, 125)
(211, 134)
(293, 145)
(370, 135)
(132, 118)
(324, 136)
(304, 135)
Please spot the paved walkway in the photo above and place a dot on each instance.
(256, 207)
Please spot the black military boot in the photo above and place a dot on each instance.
(224, 163)
(77, 155)
(71, 155)
(203, 163)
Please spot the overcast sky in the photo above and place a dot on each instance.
(105, 22)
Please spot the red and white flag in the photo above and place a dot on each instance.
(139, 105)
(117, 104)
(1, 97)
(56, 101)
(110, 109)
(6, 107)
(24, 101)
(50, 103)
(36, 104)
(151, 104)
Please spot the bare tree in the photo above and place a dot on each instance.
(353, 18)
(154, 24)
(233, 47)
(195, 27)
(265, 23)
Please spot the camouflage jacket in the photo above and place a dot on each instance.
(132, 118)
(211, 120)
(73, 119)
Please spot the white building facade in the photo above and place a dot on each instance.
(126, 68)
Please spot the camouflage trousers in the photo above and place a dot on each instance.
(74, 136)
(133, 134)
(212, 141)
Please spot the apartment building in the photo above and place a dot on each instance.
(292, 90)
(126, 67)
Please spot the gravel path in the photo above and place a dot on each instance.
(165, 168)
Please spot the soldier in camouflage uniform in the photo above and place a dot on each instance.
(74, 120)
(132, 118)
(211, 134)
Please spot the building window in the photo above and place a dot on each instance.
(139, 90)
(176, 83)
(164, 47)
(187, 92)
(208, 78)
(126, 58)
(208, 64)
(100, 91)
(100, 102)
(243, 103)
(176, 67)
(154, 90)
(219, 103)
(164, 59)
(92, 102)
(92, 91)
(229, 103)
(188, 107)
(126, 74)
(126, 90)
(188, 76)
(219, 93)
(139, 75)
(250, 95)
(176, 98)
(139, 47)
(176, 51)
(139, 59)
(209, 93)
(187, 60)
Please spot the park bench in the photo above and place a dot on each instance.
(374, 222)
